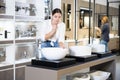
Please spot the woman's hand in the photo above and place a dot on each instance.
(51, 33)
(98, 31)
(61, 44)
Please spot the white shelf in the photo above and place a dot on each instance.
(6, 41)
(3, 64)
(24, 60)
(4, 16)
(25, 40)
(27, 18)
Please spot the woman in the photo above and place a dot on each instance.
(53, 31)
(105, 30)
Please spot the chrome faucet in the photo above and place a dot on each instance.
(38, 48)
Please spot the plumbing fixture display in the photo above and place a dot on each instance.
(2, 7)
(24, 51)
(25, 31)
(22, 8)
(32, 10)
(25, 9)
(1, 32)
(6, 33)
(2, 54)
(48, 8)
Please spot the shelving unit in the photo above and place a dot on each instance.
(3, 16)
(18, 50)
(25, 44)
(18, 46)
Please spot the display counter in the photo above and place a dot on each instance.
(45, 73)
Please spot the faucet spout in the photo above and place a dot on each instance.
(38, 48)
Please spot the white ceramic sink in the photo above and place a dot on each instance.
(100, 75)
(98, 48)
(54, 53)
(88, 78)
(80, 50)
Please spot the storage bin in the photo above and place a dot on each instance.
(100, 75)
(78, 76)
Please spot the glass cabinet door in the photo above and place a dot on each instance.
(68, 18)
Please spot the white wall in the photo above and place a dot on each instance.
(40, 9)
(56, 4)
(10, 7)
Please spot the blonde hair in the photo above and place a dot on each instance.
(105, 19)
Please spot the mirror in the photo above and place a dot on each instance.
(63, 12)
(114, 23)
(83, 23)
(84, 17)
(67, 7)
(68, 17)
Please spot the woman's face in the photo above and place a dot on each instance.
(56, 18)
(102, 21)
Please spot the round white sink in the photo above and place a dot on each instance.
(54, 53)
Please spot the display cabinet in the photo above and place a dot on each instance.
(68, 18)
(18, 21)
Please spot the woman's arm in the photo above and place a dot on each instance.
(98, 31)
(62, 35)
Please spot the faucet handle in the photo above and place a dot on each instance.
(38, 42)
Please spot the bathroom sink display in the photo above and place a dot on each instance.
(80, 51)
(99, 48)
(54, 53)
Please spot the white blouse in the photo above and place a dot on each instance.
(47, 27)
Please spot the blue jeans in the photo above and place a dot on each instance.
(49, 44)
(106, 45)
